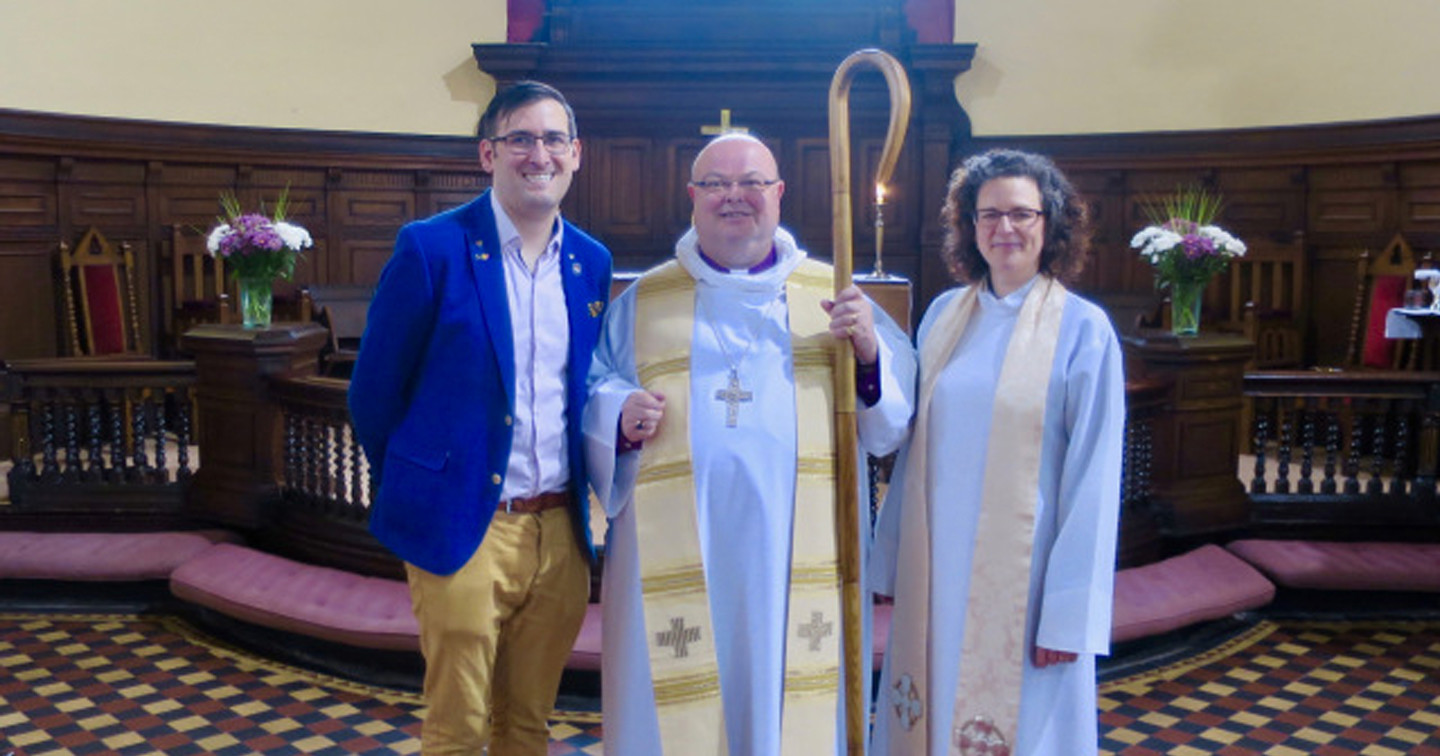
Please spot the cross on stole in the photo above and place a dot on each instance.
(678, 637)
(724, 126)
(816, 630)
(733, 396)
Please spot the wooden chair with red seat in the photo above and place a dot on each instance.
(198, 292)
(102, 312)
(1381, 283)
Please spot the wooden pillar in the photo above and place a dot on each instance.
(1196, 489)
(240, 427)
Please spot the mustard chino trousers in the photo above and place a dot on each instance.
(496, 635)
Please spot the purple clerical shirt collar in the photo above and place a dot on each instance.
(761, 267)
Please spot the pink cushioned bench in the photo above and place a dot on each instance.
(1366, 566)
(282, 594)
(1205, 584)
(97, 557)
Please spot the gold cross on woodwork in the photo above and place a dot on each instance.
(724, 127)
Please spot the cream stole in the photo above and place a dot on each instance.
(678, 627)
(987, 702)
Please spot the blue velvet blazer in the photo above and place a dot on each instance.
(433, 388)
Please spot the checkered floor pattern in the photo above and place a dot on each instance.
(126, 684)
(1289, 689)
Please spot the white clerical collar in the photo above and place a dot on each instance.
(788, 256)
(1011, 301)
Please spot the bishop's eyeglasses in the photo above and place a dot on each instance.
(749, 185)
(1020, 217)
(556, 143)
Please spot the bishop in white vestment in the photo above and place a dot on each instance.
(746, 410)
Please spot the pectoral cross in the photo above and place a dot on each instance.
(724, 127)
(733, 396)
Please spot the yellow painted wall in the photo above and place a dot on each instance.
(352, 65)
(1043, 66)
(1097, 66)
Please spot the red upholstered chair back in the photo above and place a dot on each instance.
(101, 302)
(1381, 283)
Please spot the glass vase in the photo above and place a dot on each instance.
(256, 301)
(1185, 299)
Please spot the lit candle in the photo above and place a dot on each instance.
(879, 228)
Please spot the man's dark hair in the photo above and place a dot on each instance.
(516, 96)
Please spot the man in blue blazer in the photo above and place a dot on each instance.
(467, 397)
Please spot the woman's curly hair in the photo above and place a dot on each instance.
(1067, 218)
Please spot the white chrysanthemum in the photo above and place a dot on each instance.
(1154, 240)
(1233, 247)
(217, 235)
(294, 237)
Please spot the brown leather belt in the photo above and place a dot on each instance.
(537, 504)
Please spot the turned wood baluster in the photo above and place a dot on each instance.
(1307, 449)
(95, 468)
(116, 473)
(136, 472)
(49, 462)
(1398, 484)
(1282, 452)
(72, 439)
(182, 434)
(1352, 460)
(162, 471)
(1262, 437)
(292, 452)
(1376, 484)
(1332, 451)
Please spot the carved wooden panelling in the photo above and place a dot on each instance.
(808, 212)
(196, 206)
(624, 174)
(180, 174)
(430, 203)
(27, 205)
(1420, 210)
(388, 210)
(366, 259)
(1358, 212)
(680, 157)
(105, 206)
(28, 311)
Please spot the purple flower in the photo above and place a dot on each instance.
(1197, 246)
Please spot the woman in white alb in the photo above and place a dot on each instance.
(997, 538)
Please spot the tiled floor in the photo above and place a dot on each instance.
(143, 684)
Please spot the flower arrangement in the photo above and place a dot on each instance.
(1187, 249)
(258, 248)
(254, 245)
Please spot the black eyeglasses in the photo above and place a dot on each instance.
(1020, 217)
(747, 185)
(556, 143)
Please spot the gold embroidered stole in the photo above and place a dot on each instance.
(987, 701)
(678, 626)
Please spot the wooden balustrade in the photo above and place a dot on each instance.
(99, 443)
(107, 444)
(325, 481)
(1347, 455)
